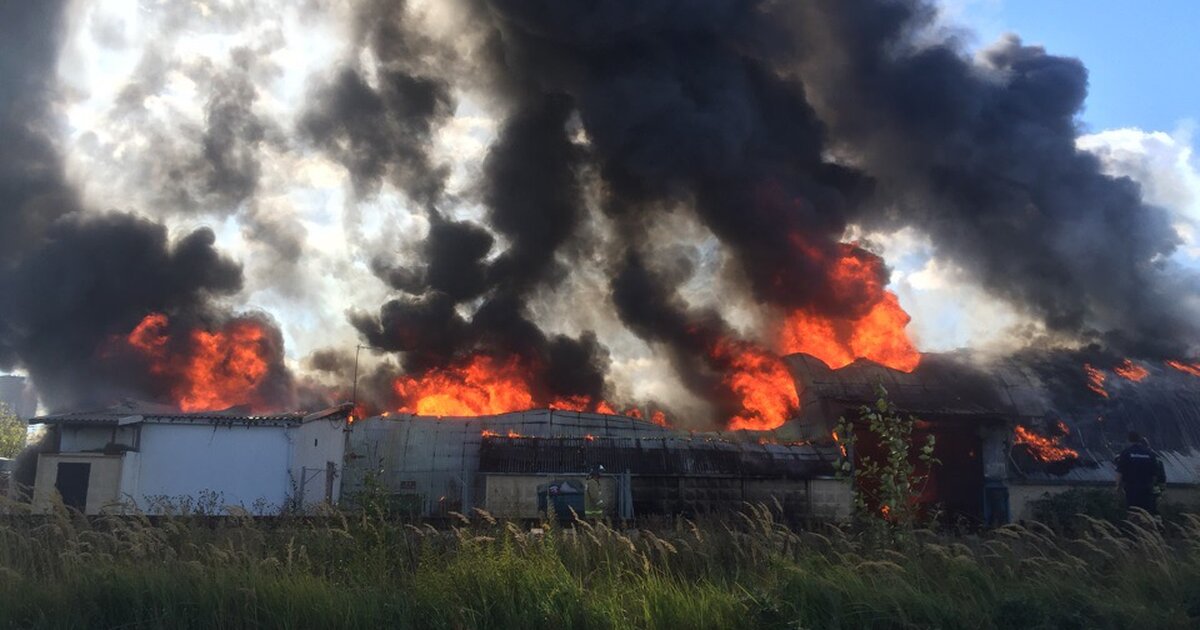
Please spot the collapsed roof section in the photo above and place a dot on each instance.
(1037, 390)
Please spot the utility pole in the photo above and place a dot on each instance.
(354, 395)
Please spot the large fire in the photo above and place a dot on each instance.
(761, 381)
(1045, 449)
(484, 385)
(481, 385)
(214, 369)
(1187, 368)
(879, 335)
(1131, 371)
(757, 379)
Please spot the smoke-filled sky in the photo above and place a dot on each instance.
(576, 180)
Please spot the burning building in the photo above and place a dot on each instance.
(700, 188)
(430, 466)
(1014, 430)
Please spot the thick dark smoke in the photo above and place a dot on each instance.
(533, 200)
(33, 190)
(982, 156)
(778, 124)
(74, 281)
(384, 132)
(781, 123)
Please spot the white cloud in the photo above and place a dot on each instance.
(1165, 166)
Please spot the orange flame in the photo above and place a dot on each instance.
(1187, 368)
(879, 335)
(837, 440)
(480, 386)
(218, 369)
(484, 385)
(762, 382)
(512, 433)
(1046, 449)
(1131, 371)
(1096, 380)
(660, 419)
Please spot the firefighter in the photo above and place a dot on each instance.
(594, 497)
(1139, 471)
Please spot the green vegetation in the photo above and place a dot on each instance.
(12, 432)
(748, 571)
(886, 483)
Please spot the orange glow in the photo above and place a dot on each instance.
(878, 335)
(479, 386)
(762, 382)
(483, 385)
(490, 433)
(216, 369)
(660, 419)
(1188, 368)
(1096, 380)
(1131, 371)
(1042, 448)
(838, 441)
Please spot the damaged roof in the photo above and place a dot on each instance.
(1035, 390)
(142, 412)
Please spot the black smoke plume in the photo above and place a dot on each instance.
(73, 279)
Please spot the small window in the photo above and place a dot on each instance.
(314, 441)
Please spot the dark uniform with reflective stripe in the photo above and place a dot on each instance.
(1140, 470)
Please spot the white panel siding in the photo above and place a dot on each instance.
(317, 443)
(245, 466)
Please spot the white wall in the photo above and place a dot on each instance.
(315, 444)
(244, 464)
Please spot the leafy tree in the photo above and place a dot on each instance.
(886, 486)
(12, 432)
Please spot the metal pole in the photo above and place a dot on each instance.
(354, 396)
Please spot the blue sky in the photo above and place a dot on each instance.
(1143, 57)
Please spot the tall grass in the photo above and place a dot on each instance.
(749, 571)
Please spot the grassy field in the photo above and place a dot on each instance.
(745, 572)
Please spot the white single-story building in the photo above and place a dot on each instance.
(155, 460)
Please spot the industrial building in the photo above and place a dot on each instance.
(975, 409)
(434, 466)
(155, 459)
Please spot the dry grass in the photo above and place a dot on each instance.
(362, 571)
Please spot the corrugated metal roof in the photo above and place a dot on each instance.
(135, 412)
